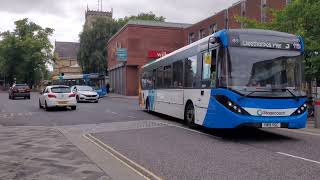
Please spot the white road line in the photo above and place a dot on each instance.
(114, 112)
(297, 157)
(132, 117)
(188, 129)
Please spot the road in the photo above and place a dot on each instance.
(156, 146)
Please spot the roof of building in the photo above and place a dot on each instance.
(67, 49)
(158, 23)
(152, 24)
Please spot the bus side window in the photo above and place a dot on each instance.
(209, 69)
(190, 67)
(177, 78)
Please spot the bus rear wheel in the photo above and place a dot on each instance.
(189, 116)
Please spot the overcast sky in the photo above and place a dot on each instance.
(67, 16)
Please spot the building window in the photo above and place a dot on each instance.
(243, 8)
(191, 38)
(202, 34)
(263, 10)
(190, 72)
(213, 28)
(243, 11)
(177, 70)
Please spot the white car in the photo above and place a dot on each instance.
(85, 93)
(57, 96)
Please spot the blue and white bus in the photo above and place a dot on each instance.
(232, 78)
(96, 81)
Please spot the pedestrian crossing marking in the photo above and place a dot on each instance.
(12, 115)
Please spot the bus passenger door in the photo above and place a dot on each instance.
(208, 82)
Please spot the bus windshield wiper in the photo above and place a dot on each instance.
(252, 92)
(286, 89)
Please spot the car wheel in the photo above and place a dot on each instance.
(189, 116)
(96, 101)
(73, 108)
(78, 100)
(40, 106)
(29, 97)
(46, 106)
(9, 96)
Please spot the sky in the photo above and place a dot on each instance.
(67, 17)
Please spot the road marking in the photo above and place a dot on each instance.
(11, 114)
(188, 129)
(117, 155)
(114, 112)
(297, 157)
(132, 117)
(19, 114)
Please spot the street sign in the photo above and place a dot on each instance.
(122, 54)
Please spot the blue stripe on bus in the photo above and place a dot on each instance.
(219, 116)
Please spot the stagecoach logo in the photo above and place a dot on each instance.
(270, 113)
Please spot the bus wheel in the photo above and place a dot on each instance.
(189, 116)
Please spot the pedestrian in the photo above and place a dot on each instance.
(108, 88)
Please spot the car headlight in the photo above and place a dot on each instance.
(232, 106)
(300, 110)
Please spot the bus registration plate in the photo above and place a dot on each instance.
(271, 125)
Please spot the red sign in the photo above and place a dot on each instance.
(156, 54)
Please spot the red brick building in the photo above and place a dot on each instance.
(253, 9)
(147, 40)
(144, 42)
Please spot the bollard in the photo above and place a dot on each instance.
(317, 113)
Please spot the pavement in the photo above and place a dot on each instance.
(43, 153)
(113, 95)
(115, 139)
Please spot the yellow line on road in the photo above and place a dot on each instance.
(117, 155)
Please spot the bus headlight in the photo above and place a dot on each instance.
(300, 110)
(232, 106)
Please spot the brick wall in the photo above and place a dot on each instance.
(251, 9)
(141, 39)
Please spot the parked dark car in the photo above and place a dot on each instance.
(19, 90)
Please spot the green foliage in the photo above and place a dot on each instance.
(25, 52)
(92, 55)
(150, 16)
(300, 17)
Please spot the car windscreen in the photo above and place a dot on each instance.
(61, 90)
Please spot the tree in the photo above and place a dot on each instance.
(25, 52)
(92, 55)
(150, 16)
(301, 17)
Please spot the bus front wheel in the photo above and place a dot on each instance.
(189, 116)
